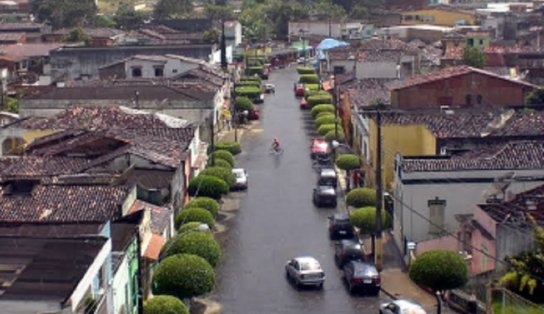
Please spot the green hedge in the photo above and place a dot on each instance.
(225, 155)
(250, 78)
(183, 276)
(365, 219)
(324, 114)
(301, 70)
(251, 92)
(242, 103)
(209, 186)
(197, 243)
(194, 214)
(440, 270)
(324, 120)
(207, 203)
(252, 70)
(233, 147)
(165, 304)
(190, 227)
(219, 162)
(248, 83)
(331, 135)
(319, 99)
(221, 173)
(309, 88)
(319, 108)
(325, 128)
(317, 93)
(308, 79)
(348, 162)
(361, 197)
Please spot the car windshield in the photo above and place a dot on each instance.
(239, 175)
(309, 265)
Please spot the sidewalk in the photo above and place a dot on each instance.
(395, 281)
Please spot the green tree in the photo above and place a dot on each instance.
(205, 202)
(77, 35)
(361, 197)
(198, 243)
(221, 173)
(224, 154)
(192, 226)
(439, 270)
(536, 97)
(233, 147)
(217, 12)
(210, 186)
(525, 271)
(194, 214)
(64, 13)
(164, 304)
(183, 276)
(127, 18)
(173, 9)
(473, 57)
(365, 219)
(104, 21)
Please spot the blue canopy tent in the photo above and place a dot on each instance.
(326, 44)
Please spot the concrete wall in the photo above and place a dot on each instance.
(121, 288)
(461, 197)
(376, 70)
(315, 28)
(72, 63)
(436, 17)
(453, 91)
(172, 67)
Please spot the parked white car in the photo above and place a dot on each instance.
(241, 178)
(401, 307)
(305, 271)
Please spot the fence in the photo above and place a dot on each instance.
(503, 301)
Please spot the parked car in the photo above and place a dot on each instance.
(269, 88)
(241, 178)
(327, 176)
(320, 147)
(305, 271)
(401, 306)
(347, 250)
(361, 276)
(340, 227)
(299, 90)
(259, 99)
(303, 103)
(324, 195)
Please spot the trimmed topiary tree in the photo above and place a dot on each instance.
(207, 203)
(308, 79)
(198, 243)
(190, 227)
(194, 214)
(248, 83)
(319, 100)
(183, 276)
(221, 173)
(165, 304)
(242, 103)
(324, 114)
(250, 78)
(225, 155)
(348, 162)
(439, 270)
(331, 135)
(233, 147)
(301, 70)
(218, 162)
(365, 219)
(325, 120)
(251, 92)
(361, 197)
(317, 109)
(325, 128)
(210, 186)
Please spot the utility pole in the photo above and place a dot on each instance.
(212, 139)
(378, 249)
(330, 16)
(224, 63)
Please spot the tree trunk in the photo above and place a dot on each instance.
(438, 296)
(373, 241)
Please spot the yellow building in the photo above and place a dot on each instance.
(443, 16)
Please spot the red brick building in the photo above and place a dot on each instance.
(459, 86)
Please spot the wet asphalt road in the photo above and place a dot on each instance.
(277, 220)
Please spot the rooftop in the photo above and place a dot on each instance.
(511, 156)
(447, 73)
(363, 92)
(30, 266)
(517, 211)
(18, 52)
(104, 32)
(36, 166)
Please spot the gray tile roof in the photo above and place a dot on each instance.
(511, 156)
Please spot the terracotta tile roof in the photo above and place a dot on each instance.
(11, 36)
(363, 92)
(449, 73)
(453, 53)
(63, 203)
(102, 118)
(20, 26)
(513, 155)
(17, 52)
(382, 55)
(37, 166)
(153, 249)
(460, 124)
(517, 210)
(390, 44)
(160, 216)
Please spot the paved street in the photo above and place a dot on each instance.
(277, 221)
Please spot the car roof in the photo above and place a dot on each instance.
(306, 259)
(238, 170)
(406, 303)
(326, 189)
(362, 265)
(341, 216)
(328, 172)
(350, 243)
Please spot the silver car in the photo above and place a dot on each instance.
(401, 307)
(241, 178)
(305, 271)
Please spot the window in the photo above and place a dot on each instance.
(468, 99)
(436, 215)
(481, 41)
(136, 72)
(159, 71)
(408, 17)
(174, 70)
(470, 42)
(479, 99)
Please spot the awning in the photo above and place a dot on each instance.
(154, 247)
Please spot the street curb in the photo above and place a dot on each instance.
(389, 294)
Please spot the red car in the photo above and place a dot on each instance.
(253, 114)
(320, 147)
(299, 90)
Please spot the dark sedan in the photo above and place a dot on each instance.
(340, 227)
(362, 277)
(324, 195)
(347, 250)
